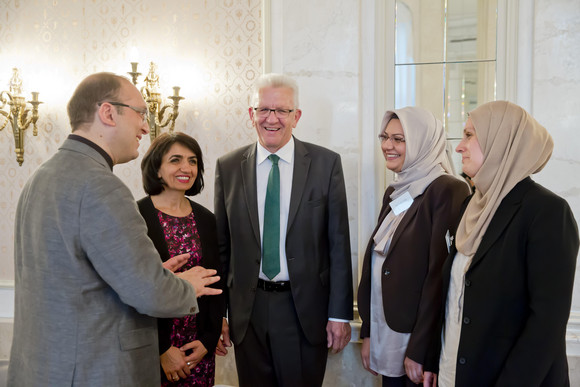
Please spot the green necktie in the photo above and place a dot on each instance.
(271, 237)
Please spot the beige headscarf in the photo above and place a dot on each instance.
(514, 146)
(426, 159)
(425, 154)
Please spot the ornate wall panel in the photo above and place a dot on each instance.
(211, 48)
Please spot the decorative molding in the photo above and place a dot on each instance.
(525, 65)
(573, 334)
(507, 50)
(369, 183)
(272, 36)
(7, 301)
(514, 71)
(267, 35)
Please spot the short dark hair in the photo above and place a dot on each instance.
(93, 89)
(152, 183)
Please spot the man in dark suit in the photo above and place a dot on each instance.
(288, 303)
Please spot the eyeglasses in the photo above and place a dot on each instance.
(395, 140)
(141, 111)
(265, 112)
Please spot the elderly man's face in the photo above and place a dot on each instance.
(273, 131)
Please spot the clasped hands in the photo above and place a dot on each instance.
(413, 369)
(176, 364)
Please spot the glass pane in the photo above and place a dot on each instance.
(419, 30)
(455, 157)
(420, 85)
(467, 86)
(471, 29)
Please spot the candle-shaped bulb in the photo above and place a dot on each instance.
(133, 54)
(35, 96)
(16, 83)
(134, 67)
(176, 91)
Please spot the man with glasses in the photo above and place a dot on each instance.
(284, 242)
(87, 277)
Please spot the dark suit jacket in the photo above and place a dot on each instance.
(518, 292)
(211, 309)
(411, 281)
(317, 240)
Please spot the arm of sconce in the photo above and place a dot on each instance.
(170, 118)
(5, 114)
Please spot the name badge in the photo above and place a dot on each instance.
(401, 203)
(448, 241)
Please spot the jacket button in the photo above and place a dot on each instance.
(466, 320)
(462, 360)
(387, 272)
(467, 283)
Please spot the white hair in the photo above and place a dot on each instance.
(275, 80)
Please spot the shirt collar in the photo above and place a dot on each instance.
(88, 142)
(286, 153)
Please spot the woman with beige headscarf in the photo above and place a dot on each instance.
(400, 288)
(510, 274)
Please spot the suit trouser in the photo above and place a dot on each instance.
(275, 351)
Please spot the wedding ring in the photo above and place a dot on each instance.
(188, 363)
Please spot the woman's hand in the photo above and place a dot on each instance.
(414, 370)
(429, 379)
(198, 352)
(224, 341)
(174, 364)
(365, 354)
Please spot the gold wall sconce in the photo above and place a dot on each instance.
(152, 96)
(17, 114)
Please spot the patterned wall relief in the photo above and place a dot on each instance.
(212, 49)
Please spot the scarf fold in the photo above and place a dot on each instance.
(514, 146)
(426, 158)
(425, 154)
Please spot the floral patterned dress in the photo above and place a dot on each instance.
(182, 237)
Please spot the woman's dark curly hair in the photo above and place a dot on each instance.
(151, 163)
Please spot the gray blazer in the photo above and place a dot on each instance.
(317, 239)
(87, 279)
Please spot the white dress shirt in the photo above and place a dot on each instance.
(388, 347)
(286, 166)
(453, 316)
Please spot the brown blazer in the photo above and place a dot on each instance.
(411, 281)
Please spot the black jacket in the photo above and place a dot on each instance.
(518, 292)
(211, 309)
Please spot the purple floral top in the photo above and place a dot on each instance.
(182, 237)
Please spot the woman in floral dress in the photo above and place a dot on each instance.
(173, 168)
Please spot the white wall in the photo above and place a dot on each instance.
(328, 46)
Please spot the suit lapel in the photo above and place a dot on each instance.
(385, 209)
(501, 219)
(248, 167)
(403, 225)
(299, 177)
